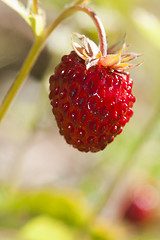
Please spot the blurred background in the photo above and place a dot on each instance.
(48, 188)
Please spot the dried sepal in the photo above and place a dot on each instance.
(117, 46)
(115, 59)
(79, 50)
(88, 49)
(127, 57)
(109, 60)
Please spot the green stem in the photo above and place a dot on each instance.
(34, 52)
(35, 6)
(37, 46)
(69, 11)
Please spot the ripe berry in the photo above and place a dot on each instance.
(142, 204)
(91, 96)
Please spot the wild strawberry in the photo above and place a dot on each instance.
(141, 204)
(91, 95)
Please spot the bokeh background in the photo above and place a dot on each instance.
(47, 188)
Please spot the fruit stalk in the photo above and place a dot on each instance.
(100, 28)
(30, 60)
(38, 45)
(35, 6)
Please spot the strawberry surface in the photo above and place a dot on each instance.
(91, 105)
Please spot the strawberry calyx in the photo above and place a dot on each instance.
(115, 59)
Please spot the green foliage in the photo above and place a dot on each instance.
(123, 6)
(48, 215)
(106, 231)
(148, 25)
(35, 21)
(45, 228)
(67, 206)
(78, 2)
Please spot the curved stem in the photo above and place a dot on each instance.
(100, 28)
(37, 46)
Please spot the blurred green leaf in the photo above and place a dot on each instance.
(123, 6)
(35, 21)
(106, 231)
(78, 2)
(45, 228)
(62, 3)
(67, 206)
(148, 25)
(18, 7)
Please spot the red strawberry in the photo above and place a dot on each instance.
(91, 96)
(142, 204)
